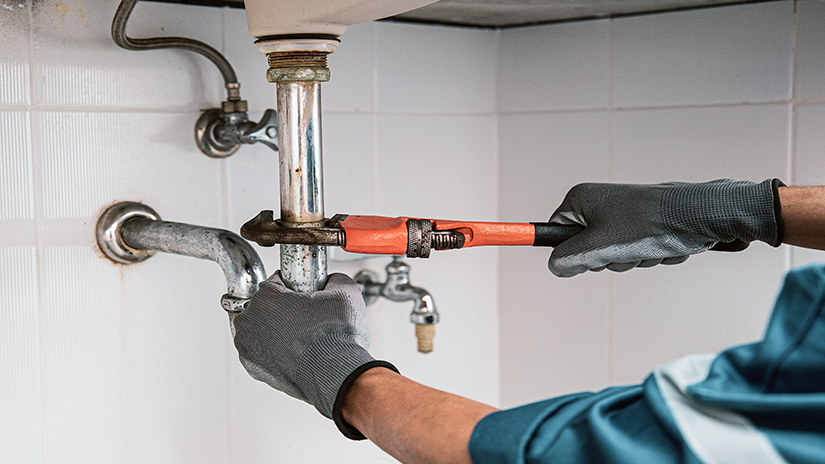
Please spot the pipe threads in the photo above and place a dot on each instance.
(298, 66)
(298, 59)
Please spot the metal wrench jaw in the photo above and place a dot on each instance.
(264, 230)
(415, 238)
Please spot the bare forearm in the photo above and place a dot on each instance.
(412, 422)
(803, 212)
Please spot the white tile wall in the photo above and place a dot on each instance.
(678, 83)
(105, 363)
(15, 164)
(436, 166)
(720, 55)
(76, 64)
(14, 52)
(571, 63)
(435, 69)
(91, 159)
(21, 423)
(809, 162)
(81, 330)
(700, 144)
(560, 325)
(810, 51)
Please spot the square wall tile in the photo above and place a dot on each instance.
(700, 144)
(14, 52)
(560, 66)
(808, 163)
(436, 166)
(89, 160)
(435, 69)
(809, 145)
(732, 54)
(561, 323)
(352, 68)
(809, 76)
(173, 360)
(554, 332)
(541, 156)
(712, 301)
(270, 426)
(21, 425)
(76, 62)
(349, 174)
(16, 188)
(81, 324)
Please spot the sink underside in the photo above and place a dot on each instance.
(514, 13)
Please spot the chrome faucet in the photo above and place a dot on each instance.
(397, 288)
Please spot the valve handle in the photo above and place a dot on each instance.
(265, 131)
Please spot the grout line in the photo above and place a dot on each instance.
(789, 165)
(610, 175)
(374, 120)
(497, 214)
(184, 110)
(792, 113)
(34, 159)
(101, 109)
(800, 101)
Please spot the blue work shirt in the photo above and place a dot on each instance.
(760, 403)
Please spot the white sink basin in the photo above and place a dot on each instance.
(310, 17)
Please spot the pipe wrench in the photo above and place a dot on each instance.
(413, 237)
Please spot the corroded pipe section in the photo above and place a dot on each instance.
(130, 232)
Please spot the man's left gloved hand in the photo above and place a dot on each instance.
(311, 346)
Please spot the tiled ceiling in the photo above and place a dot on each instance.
(510, 13)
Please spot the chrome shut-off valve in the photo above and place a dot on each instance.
(398, 288)
(219, 132)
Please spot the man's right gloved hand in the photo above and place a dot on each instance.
(629, 225)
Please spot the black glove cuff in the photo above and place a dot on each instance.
(348, 430)
(777, 212)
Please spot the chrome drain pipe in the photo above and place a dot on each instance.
(130, 232)
(297, 67)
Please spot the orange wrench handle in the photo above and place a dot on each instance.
(375, 235)
(490, 233)
(391, 236)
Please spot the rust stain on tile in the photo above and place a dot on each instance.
(61, 9)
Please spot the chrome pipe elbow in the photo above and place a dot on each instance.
(130, 232)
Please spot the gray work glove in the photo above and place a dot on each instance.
(311, 346)
(629, 226)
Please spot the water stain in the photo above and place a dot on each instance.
(61, 9)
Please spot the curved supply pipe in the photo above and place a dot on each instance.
(130, 232)
(124, 10)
